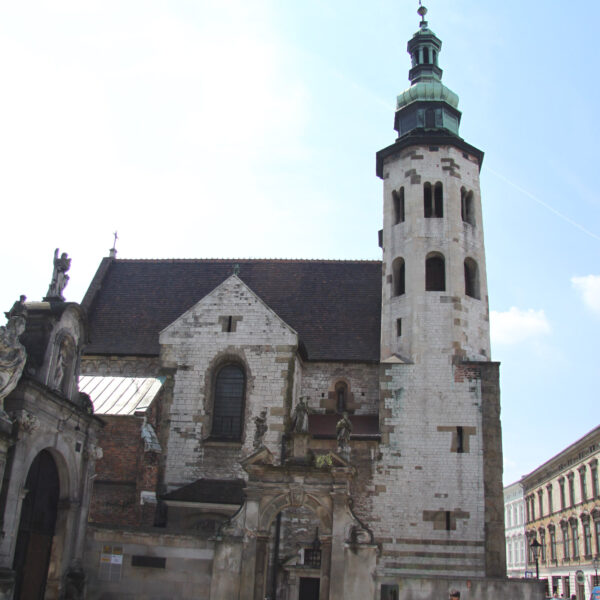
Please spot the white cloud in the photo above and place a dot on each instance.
(589, 288)
(516, 325)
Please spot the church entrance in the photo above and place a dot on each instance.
(36, 528)
(309, 588)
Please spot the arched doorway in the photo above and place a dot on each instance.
(36, 528)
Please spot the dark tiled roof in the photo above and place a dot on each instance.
(363, 426)
(335, 306)
(214, 491)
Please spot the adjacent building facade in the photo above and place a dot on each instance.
(562, 499)
(516, 541)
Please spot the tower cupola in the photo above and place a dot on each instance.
(428, 105)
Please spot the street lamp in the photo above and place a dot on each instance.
(535, 550)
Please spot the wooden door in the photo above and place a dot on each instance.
(36, 528)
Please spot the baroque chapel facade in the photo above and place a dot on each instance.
(309, 429)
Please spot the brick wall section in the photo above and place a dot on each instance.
(122, 473)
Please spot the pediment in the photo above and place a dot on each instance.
(231, 308)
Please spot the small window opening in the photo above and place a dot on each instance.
(471, 279)
(434, 53)
(439, 200)
(427, 200)
(229, 323)
(399, 327)
(341, 396)
(448, 520)
(398, 277)
(398, 200)
(466, 206)
(460, 440)
(426, 56)
(435, 273)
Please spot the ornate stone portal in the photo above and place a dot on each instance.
(348, 553)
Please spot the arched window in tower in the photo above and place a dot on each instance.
(435, 272)
(426, 56)
(228, 406)
(398, 277)
(398, 201)
(427, 200)
(434, 61)
(341, 396)
(466, 206)
(438, 197)
(471, 278)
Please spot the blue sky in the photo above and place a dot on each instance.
(232, 128)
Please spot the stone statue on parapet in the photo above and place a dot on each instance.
(12, 352)
(59, 276)
(300, 416)
(343, 430)
(261, 428)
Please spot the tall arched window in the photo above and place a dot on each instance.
(471, 278)
(466, 206)
(435, 273)
(341, 396)
(228, 407)
(433, 200)
(398, 202)
(438, 197)
(398, 277)
(427, 200)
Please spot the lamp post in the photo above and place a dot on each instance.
(535, 550)
(595, 563)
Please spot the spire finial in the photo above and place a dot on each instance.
(112, 253)
(422, 11)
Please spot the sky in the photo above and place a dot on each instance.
(248, 129)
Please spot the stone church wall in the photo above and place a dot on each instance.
(152, 565)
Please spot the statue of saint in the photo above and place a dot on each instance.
(343, 430)
(261, 428)
(12, 352)
(59, 275)
(64, 358)
(300, 416)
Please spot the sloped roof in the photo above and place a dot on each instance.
(120, 395)
(335, 306)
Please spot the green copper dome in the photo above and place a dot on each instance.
(427, 90)
(427, 105)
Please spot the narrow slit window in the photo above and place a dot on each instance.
(460, 440)
(399, 327)
(471, 279)
(398, 201)
(426, 56)
(438, 200)
(427, 200)
(398, 277)
(466, 207)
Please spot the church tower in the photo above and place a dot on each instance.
(439, 390)
(434, 295)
